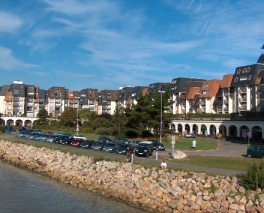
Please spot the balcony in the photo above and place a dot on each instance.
(243, 99)
(242, 108)
(242, 90)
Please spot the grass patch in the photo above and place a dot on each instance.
(186, 144)
(240, 164)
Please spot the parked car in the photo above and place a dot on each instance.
(67, 141)
(110, 147)
(119, 140)
(103, 138)
(145, 148)
(157, 145)
(134, 144)
(76, 142)
(189, 135)
(87, 144)
(121, 149)
(98, 145)
(77, 136)
(255, 151)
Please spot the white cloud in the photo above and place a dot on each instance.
(9, 22)
(9, 62)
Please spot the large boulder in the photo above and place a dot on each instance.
(178, 155)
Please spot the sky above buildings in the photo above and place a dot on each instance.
(107, 44)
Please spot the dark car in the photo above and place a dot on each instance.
(145, 148)
(157, 145)
(119, 140)
(59, 138)
(255, 151)
(76, 142)
(134, 144)
(98, 145)
(87, 144)
(122, 149)
(103, 138)
(67, 141)
(110, 147)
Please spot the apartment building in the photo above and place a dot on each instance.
(3, 106)
(238, 92)
(224, 100)
(178, 89)
(125, 96)
(89, 99)
(245, 85)
(137, 91)
(57, 100)
(107, 100)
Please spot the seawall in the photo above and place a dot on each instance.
(149, 188)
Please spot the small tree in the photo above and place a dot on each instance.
(43, 117)
(68, 117)
(119, 119)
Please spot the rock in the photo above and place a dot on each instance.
(178, 155)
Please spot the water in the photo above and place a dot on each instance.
(24, 191)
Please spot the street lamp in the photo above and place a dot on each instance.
(77, 125)
(161, 114)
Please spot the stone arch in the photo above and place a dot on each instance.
(195, 129)
(187, 128)
(212, 129)
(10, 122)
(233, 131)
(27, 123)
(243, 131)
(222, 130)
(204, 129)
(172, 127)
(19, 122)
(256, 133)
(179, 128)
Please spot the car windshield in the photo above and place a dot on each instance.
(143, 145)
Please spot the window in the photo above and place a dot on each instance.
(243, 78)
(15, 92)
(238, 71)
(236, 79)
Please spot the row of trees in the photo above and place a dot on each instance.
(136, 120)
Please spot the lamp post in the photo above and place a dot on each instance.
(77, 125)
(161, 114)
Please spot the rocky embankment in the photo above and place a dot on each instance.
(149, 188)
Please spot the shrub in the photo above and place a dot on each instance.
(2, 129)
(87, 130)
(103, 131)
(254, 178)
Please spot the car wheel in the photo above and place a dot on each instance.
(157, 148)
(249, 156)
(147, 155)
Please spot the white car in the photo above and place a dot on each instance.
(79, 137)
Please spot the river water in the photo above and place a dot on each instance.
(25, 191)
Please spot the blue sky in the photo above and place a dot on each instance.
(106, 44)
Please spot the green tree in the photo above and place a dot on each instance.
(158, 109)
(119, 119)
(100, 122)
(68, 117)
(139, 114)
(86, 115)
(43, 117)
